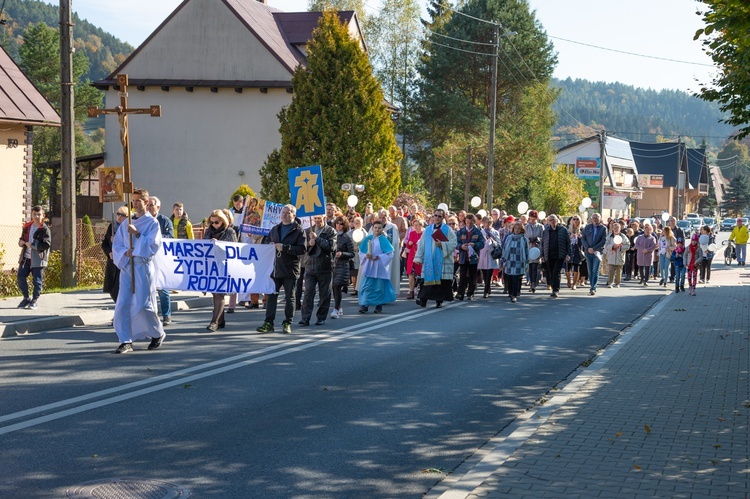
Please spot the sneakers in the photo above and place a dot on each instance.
(378, 309)
(335, 314)
(266, 327)
(32, 305)
(155, 342)
(167, 321)
(553, 295)
(286, 327)
(363, 309)
(592, 292)
(24, 303)
(124, 348)
(320, 322)
(341, 312)
(230, 310)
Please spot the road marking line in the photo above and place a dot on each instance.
(262, 355)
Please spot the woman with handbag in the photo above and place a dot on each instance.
(487, 259)
(413, 270)
(219, 229)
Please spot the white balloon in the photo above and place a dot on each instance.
(358, 235)
(704, 247)
(665, 216)
(476, 201)
(352, 200)
(443, 206)
(523, 207)
(581, 209)
(542, 215)
(617, 239)
(586, 202)
(713, 247)
(534, 253)
(704, 240)
(482, 213)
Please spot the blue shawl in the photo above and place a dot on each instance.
(432, 267)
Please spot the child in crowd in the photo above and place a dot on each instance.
(692, 259)
(677, 259)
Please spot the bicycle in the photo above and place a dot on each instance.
(729, 253)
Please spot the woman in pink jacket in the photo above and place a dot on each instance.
(645, 245)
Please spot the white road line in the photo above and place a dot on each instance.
(262, 355)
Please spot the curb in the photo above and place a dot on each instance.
(470, 475)
(93, 318)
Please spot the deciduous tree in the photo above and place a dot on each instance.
(725, 40)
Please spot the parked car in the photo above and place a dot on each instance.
(728, 223)
(711, 222)
(687, 228)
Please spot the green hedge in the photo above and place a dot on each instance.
(91, 274)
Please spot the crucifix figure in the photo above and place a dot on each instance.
(122, 111)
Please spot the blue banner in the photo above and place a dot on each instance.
(306, 188)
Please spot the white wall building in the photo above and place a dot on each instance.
(221, 71)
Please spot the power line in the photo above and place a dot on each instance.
(472, 17)
(631, 53)
(461, 50)
(460, 39)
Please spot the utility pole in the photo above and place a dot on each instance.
(493, 119)
(68, 148)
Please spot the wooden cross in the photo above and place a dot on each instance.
(122, 111)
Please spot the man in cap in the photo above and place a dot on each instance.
(739, 235)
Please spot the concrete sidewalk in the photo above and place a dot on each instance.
(662, 412)
(77, 308)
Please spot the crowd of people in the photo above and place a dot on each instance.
(444, 256)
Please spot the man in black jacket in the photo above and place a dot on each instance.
(289, 239)
(556, 251)
(36, 239)
(321, 247)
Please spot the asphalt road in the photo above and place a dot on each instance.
(365, 406)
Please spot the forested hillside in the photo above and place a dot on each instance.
(637, 114)
(104, 51)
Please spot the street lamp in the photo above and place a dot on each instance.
(352, 200)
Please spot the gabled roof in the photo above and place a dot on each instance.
(298, 26)
(280, 32)
(20, 101)
(697, 167)
(658, 159)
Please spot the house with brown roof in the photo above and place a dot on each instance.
(221, 71)
(22, 107)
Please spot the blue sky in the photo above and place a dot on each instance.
(656, 28)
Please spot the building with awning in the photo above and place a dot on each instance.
(22, 108)
(674, 178)
(607, 166)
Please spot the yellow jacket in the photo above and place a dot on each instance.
(739, 235)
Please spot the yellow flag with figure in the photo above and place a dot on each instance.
(306, 189)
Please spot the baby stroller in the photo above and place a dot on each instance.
(729, 252)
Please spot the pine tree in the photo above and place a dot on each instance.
(338, 119)
(737, 196)
(40, 61)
